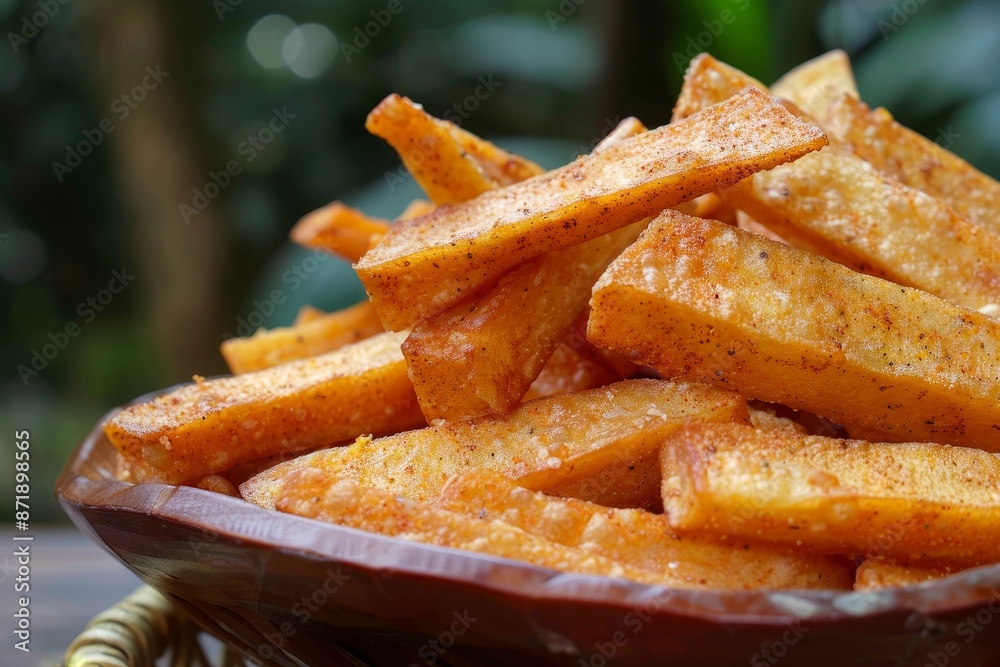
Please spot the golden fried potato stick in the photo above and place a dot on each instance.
(922, 503)
(640, 539)
(339, 229)
(877, 225)
(836, 204)
(422, 268)
(482, 355)
(315, 494)
(325, 333)
(502, 167)
(217, 484)
(708, 81)
(815, 84)
(307, 314)
(570, 370)
(712, 206)
(878, 572)
(346, 231)
(599, 445)
(429, 151)
(616, 361)
(703, 301)
(625, 129)
(210, 426)
(767, 419)
(748, 224)
(415, 209)
(915, 161)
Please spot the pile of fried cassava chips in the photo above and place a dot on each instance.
(755, 348)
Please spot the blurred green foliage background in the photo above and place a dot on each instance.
(116, 115)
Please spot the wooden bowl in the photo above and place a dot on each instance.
(293, 591)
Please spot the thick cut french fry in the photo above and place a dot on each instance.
(210, 426)
(639, 539)
(602, 444)
(876, 225)
(836, 204)
(702, 301)
(816, 84)
(708, 81)
(416, 209)
(482, 355)
(340, 230)
(502, 167)
(422, 268)
(712, 206)
(766, 419)
(307, 314)
(915, 160)
(429, 151)
(315, 494)
(616, 361)
(748, 224)
(217, 484)
(326, 333)
(569, 370)
(876, 573)
(920, 502)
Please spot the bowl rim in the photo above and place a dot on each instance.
(242, 521)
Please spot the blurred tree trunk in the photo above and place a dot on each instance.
(158, 160)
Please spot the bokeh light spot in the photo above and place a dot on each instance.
(309, 49)
(266, 37)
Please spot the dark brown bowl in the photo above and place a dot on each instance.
(293, 591)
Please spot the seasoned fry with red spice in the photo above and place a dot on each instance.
(599, 445)
(922, 502)
(878, 572)
(640, 539)
(915, 160)
(323, 333)
(212, 425)
(314, 493)
(340, 230)
(702, 301)
(422, 268)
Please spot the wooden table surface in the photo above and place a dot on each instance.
(72, 579)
